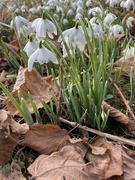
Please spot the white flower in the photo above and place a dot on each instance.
(23, 26)
(76, 36)
(130, 21)
(31, 47)
(65, 21)
(71, 47)
(44, 27)
(95, 10)
(129, 4)
(33, 10)
(70, 12)
(129, 52)
(109, 18)
(112, 3)
(115, 30)
(52, 3)
(41, 55)
(78, 16)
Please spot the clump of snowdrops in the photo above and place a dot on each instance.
(79, 68)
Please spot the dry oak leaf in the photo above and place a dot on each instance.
(39, 87)
(67, 164)
(9, 136)
(128, 157)
(45, 139)
(112, 155)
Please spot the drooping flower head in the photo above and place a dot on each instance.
(44, 27)
(41, 55)
(22, 25)
(76, 36)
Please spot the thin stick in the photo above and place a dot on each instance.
(109, 136)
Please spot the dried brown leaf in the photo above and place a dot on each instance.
(112, 155)
(49, 138)
(125, 64)
(65, 164)
(39, 87)
(115, 113)
(9, 134)
(128, 157)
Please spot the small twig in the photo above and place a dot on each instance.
(123, 98)
(109, 136)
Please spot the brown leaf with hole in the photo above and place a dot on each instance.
(9, 133)
(104, 150)
(45, 139)
(128, 157)
(15, 173)
(126, 64)
(67, 164)
(115, 113)
(39, 87)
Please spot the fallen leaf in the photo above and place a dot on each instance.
(49, 138)
(112, 155)
(128, 157)
(7, 122)
(126, 64)
(9, 133)
(115, 113)
(39, 87)
(65, 164)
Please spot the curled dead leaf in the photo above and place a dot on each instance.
(115, 113)
(49, 138)
(39, 87)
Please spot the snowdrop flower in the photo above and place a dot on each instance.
(11, 7)
(109, 18)
(130, 21)
(75, 35)
(89, 3)
(70, 12)
(112, 3)
(95, 10)
(78, 16)
(80, 10)
(65, 21)
(79, 3)
(52, 3)
(71, 47)
(129, 4)
(116, 29)
(31, 46)
(24, 8)
(44, 27)
(129, 52)
(33, 10)
(41, 55)
(59, 9)
(74, 5)
(23, 26)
